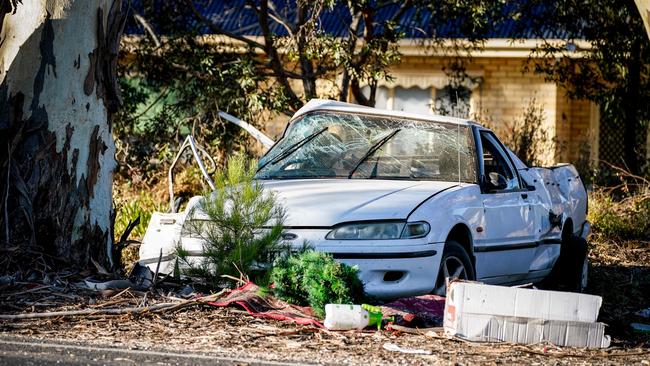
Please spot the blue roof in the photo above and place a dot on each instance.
(234, 16)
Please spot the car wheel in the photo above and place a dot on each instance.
(571, 269)
(455, 263)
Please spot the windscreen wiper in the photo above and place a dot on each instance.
(372, 150)
(291, 149)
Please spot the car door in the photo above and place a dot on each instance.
(507, 245)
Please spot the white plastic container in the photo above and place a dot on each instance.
(346, 317)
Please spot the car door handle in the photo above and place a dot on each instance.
(524, 195)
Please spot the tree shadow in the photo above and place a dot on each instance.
(625, 290)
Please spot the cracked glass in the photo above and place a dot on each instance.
(356, 146)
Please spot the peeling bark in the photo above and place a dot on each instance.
(6, 7)
(103, 60)
(96, 148)
(56, 149)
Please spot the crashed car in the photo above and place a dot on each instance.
(412, 200)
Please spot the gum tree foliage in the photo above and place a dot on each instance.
(184, 77)
(305, 53)
(363, 54)
(614, 72)
(174, 86)
(239, 223)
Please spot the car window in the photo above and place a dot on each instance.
(356, 146)
(495, 161)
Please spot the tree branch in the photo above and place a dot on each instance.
(218, 30)
(353, 31)
(306, 66)
(148, 28)
(369, 36)
(272, 52)
(405, 6)
(279, 19)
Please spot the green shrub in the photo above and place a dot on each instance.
(315, 279)
(240, 225)
(627, 218)
(128, 210)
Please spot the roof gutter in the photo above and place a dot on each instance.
(493, 47)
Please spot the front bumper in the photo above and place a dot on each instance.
(397, 277)
(387, 268)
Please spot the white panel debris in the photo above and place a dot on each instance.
(486, 313)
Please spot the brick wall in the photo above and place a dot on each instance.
(504, 93)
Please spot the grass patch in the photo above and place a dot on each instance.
(128, 209)
(626, 218)
(142, 205)
(620, 253)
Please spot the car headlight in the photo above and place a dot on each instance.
(379, 231)
(414, 230)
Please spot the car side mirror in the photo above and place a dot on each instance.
(496, 182)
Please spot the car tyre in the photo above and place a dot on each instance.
(570, 272)
(455, 263)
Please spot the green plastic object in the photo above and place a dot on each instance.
(375, 315)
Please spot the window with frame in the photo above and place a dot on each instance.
(453, 101)
(448, 101)
(496, 162)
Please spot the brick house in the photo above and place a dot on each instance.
(500, 92)
(498, 89)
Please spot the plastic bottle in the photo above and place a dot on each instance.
(345, 317)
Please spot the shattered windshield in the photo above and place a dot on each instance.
(342, 145)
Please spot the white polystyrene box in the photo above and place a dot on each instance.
(487, 313)
(477, 298)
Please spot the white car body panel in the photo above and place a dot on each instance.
(513, 237)
(327, 202)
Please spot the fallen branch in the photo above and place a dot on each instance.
(563, 354)
(167, 306)
(113, 302)
(418, 331)
(54, 314)
(283, 334)
(35, 289)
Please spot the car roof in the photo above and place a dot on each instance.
(316, 105)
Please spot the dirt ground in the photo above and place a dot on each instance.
(619, 273)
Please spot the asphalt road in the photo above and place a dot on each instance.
(14, 351)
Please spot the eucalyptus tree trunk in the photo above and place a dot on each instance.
(58, 90)
(644, 9)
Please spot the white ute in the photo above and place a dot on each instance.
(411, 200)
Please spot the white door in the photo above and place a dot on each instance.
(509, 239)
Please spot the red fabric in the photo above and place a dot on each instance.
(248, 297)
(417, 311)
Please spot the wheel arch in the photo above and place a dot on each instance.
(461, 234)
(567, 229)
